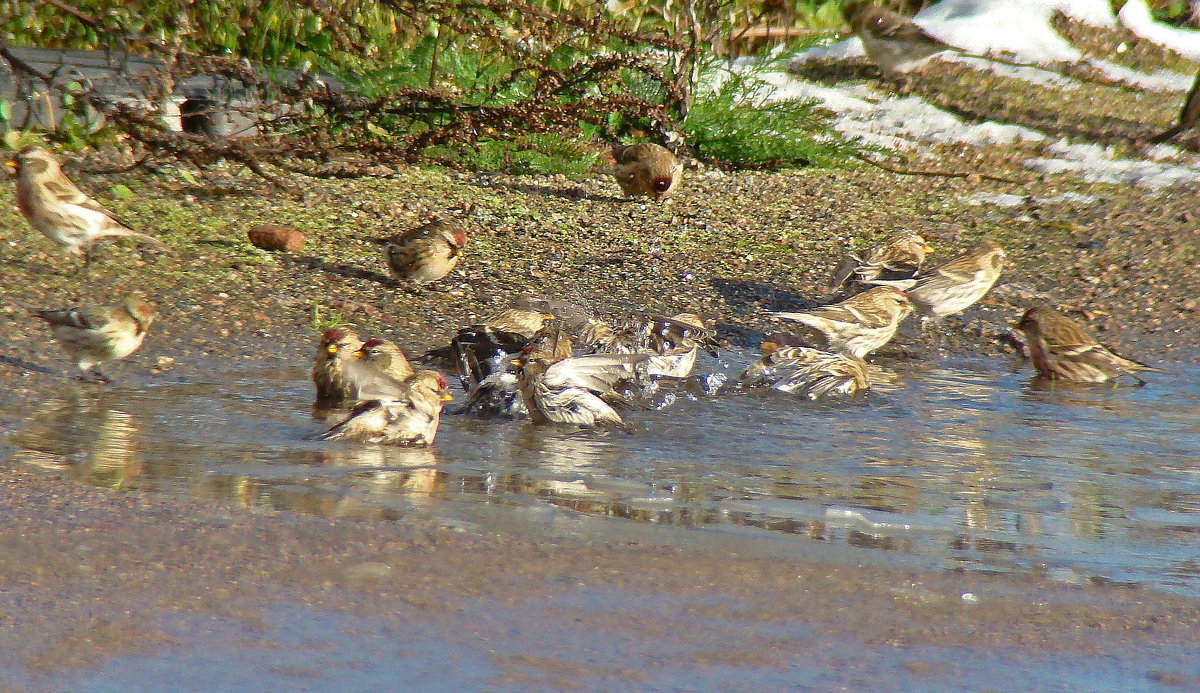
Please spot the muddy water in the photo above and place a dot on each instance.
(960, 465)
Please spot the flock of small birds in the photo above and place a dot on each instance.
(552, 361)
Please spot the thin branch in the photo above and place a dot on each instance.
(942, 174)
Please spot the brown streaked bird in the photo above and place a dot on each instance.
(410, 418)
(806, 371)
(379, 369)
(897, 258)
(646, 169)
(956, 285)
(61, 211)
(93, 335)
(860, 324)
(893, 42)
(569, 390)
(1062, 349)
(490, 379)
(672, 343)
(334, 351)
(1189, 117)
(525, 318)
(424, 254)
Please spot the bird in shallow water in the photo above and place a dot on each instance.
(334, 351)
(379, 369)
(93, 335)
(409, 418)
(61, 211)
(672, 343)
(570, 390)
(806, 371)
(1062, 349)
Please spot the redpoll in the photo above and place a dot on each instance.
(672, 343)
(61, 211)
(860, 324)
(893, 42)
(898, 258)
(1062, 349)
(810, 372)
(93, 335)
(379, 370)
(957, 285)
(646, 169)
(411, 418)
(568, 391)
(425, 254)
(491, 384)
(334, 351)
(1189, 117)
(526, 317)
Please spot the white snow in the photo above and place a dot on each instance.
(1023, 31)
(1136, 17)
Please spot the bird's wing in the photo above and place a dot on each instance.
(578, 406)
(595, 372)
(68, 194)
(365, 420)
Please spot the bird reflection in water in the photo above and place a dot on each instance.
(80, 433)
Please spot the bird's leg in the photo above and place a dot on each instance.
(94, 375)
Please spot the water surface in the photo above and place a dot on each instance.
(960, 465)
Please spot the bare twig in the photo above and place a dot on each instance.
(941, 174)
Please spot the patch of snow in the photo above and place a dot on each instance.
(998, 199)
(1136, 17)
(1098, 164)
(873, 116)
(1159, 80)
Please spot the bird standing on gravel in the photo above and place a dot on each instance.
(334, 351)
(424, 254)
(646, 169)
(410, 418)
(860, 324)
(956, 285)
(893, 42)
(62, 212)
(379, 370)
(1189, 117)
(1062, 349)
(93, 335)
(899, 257)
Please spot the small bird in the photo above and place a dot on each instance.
(93, 335)
(410, 418)
(956, 285)
(893, 42)
(899, 257)
(62, 212)
(525, 318)
(569, 390)
(672, 343)
(334, 351)
(424, 254)
(379, 370)
(860, 324)
(646, 169)
(491, 384)
(807, 371)
(1062, 349)
(1189, 117)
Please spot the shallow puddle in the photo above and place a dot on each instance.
(960, 465)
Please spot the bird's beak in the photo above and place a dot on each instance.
(547, 316)
(519, 362)
(446, 397)
(332, 349)
(929, 249)
(359, 354)
(12, 164)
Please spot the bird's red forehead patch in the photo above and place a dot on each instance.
(441, 382)
(460, 238)
(372, 343)
(333, 335)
